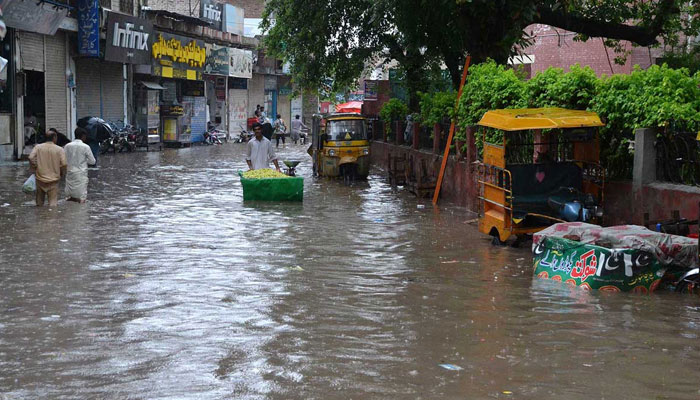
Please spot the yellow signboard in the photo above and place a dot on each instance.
(191, 54)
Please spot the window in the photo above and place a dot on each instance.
(106, 4)
(349, 129)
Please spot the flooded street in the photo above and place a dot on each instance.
(167, 285)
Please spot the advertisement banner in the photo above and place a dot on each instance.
(233, 19)
(240, 63)
(34, 16)
(129, 39)
(217, 60)
(211, 12)
(371, 91)
(178, 57)
(89, 28)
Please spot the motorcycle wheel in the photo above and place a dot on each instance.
(690, 285)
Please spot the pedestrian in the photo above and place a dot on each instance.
(78, 157)
(297, 126)
(259, 151)
(49, 163)
(280, 130)
(266, 124)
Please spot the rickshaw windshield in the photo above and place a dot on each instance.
(348, 129)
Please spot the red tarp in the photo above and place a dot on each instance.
(349, 107)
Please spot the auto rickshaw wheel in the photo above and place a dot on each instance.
(496, 238)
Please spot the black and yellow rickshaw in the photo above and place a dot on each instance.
(540, 166)
(340, 146)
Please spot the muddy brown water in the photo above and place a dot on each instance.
(167, 285)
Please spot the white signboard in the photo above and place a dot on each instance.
(297, 107)
(233, 19)
(240, 63)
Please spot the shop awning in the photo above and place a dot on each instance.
(350, 107)
(152, 85)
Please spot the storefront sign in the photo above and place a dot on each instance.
(129, 39)
(240, 63)
(233, 20)
(371, 91)
(178, 57)
(89, 28)
(212, 12)
(34, 16)
(217, 60)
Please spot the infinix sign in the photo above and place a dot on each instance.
(129, 39)
(211, 12)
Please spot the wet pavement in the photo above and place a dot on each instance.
(167, 285)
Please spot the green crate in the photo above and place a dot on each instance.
(273, 189)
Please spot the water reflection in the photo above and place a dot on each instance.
(167, 285)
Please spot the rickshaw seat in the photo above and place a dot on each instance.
(534, 184)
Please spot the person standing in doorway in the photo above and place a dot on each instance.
(49, 162)
(78, 156)
(297, 127)
(280, 131)
(259, 151)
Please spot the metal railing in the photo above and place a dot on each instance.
(678, 158)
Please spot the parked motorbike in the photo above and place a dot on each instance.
(244, 136)
(573, 205)
(211, 138)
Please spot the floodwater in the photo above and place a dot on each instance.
(166, 285)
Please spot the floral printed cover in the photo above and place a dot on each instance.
(668, 249)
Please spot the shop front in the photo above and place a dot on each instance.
(216, 71)
(240, 73)
(129, 43)
(34, 77)
(178, 63)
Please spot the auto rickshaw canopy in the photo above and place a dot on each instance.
(539, 118)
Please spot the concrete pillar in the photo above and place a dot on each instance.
(436, 138)
(644, 157)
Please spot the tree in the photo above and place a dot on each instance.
(337, 38)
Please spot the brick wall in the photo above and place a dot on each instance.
(557, 48)
(253, 8)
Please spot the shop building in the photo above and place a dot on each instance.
(36, 81)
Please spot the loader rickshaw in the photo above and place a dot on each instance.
(340, 146)
(539, 167)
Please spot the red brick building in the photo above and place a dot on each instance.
(554, 47)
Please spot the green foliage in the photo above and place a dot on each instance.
(657, 97)
(490, 86)
(554, 88)
(436, 108)
(393, 110)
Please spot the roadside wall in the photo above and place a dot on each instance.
(625, 205)
(459, 184)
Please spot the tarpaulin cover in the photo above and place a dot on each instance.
(273, 189)
(668, 249)
(349, 107)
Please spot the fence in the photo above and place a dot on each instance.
(426, 138)
(678, 158)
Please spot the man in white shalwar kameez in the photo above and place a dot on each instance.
(259, 151)
(78, 157)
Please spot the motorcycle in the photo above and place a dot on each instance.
(244, 136)
(211, 138)
(572, 205)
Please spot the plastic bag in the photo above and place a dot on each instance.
(29, 186)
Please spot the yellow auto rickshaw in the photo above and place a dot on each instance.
(340, 146)
(539, 167)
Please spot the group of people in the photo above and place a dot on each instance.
(278, 129)
(51, 162)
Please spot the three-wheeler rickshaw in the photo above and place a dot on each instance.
(540, 167)
(340, 146)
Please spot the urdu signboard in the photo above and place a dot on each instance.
(240, 63)
(129, 39)
(178, 57)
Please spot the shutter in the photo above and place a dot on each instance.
(55, 83)
(237, 110)
(90, 76)
(31, 51)
(112, 91)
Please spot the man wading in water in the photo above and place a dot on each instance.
(260, 151)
